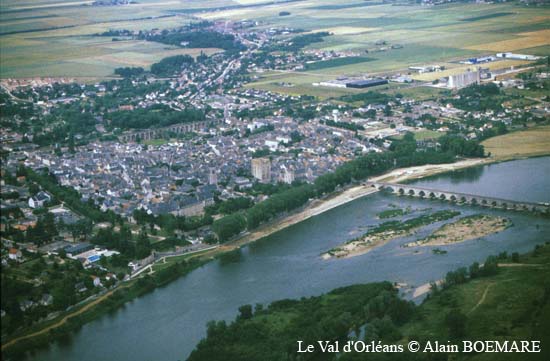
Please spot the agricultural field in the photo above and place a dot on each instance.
(531, 142)
(54, 37)
(428, 35)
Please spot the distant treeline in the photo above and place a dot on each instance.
(168, 66)
(194, 35)
(196, 39)
(128, 72)
(299, 42)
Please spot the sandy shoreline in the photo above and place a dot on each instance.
(381, 235)
(462, 230)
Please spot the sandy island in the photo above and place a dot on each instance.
(364, 244)
(464, 229)
(385, 232)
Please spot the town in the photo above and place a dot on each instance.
(102, 181)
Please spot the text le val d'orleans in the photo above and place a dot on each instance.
(415, 346)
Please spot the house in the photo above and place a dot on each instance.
(73, 251)
(97, 281)
(39, 200)
(80, 287)
(46, 299)
(25, 305)
(110, 276)
(14, 254)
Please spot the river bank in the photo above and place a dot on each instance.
(315, 207)
(286, 265)
(347, 195)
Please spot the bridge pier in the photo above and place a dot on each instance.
(460, 198)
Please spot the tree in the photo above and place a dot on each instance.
(229, 226)
(490, 267)
(245, 312)
(143, 246)
(456, 324)
(81, 229)
(474, 270)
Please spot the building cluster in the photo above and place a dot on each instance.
(183, 177)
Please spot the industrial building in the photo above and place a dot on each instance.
(517, 56)
(366, 83)
(480, 60)
(261, 169)
(426, 68)
(463, 79)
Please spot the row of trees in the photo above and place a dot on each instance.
(128, 72)
(299, 42)
(169, 222)
(291, 198)
(161, 116)
(196, 39)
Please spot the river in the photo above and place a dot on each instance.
(167, 323)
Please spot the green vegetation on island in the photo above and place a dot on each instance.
(392, 213)
(386, 232)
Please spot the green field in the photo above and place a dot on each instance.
(317, 65)
(53, 37)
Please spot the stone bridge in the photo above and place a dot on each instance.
(460, 198)
(147, 134)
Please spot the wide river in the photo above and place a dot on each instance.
(167, 323)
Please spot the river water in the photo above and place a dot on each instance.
(167, 323)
